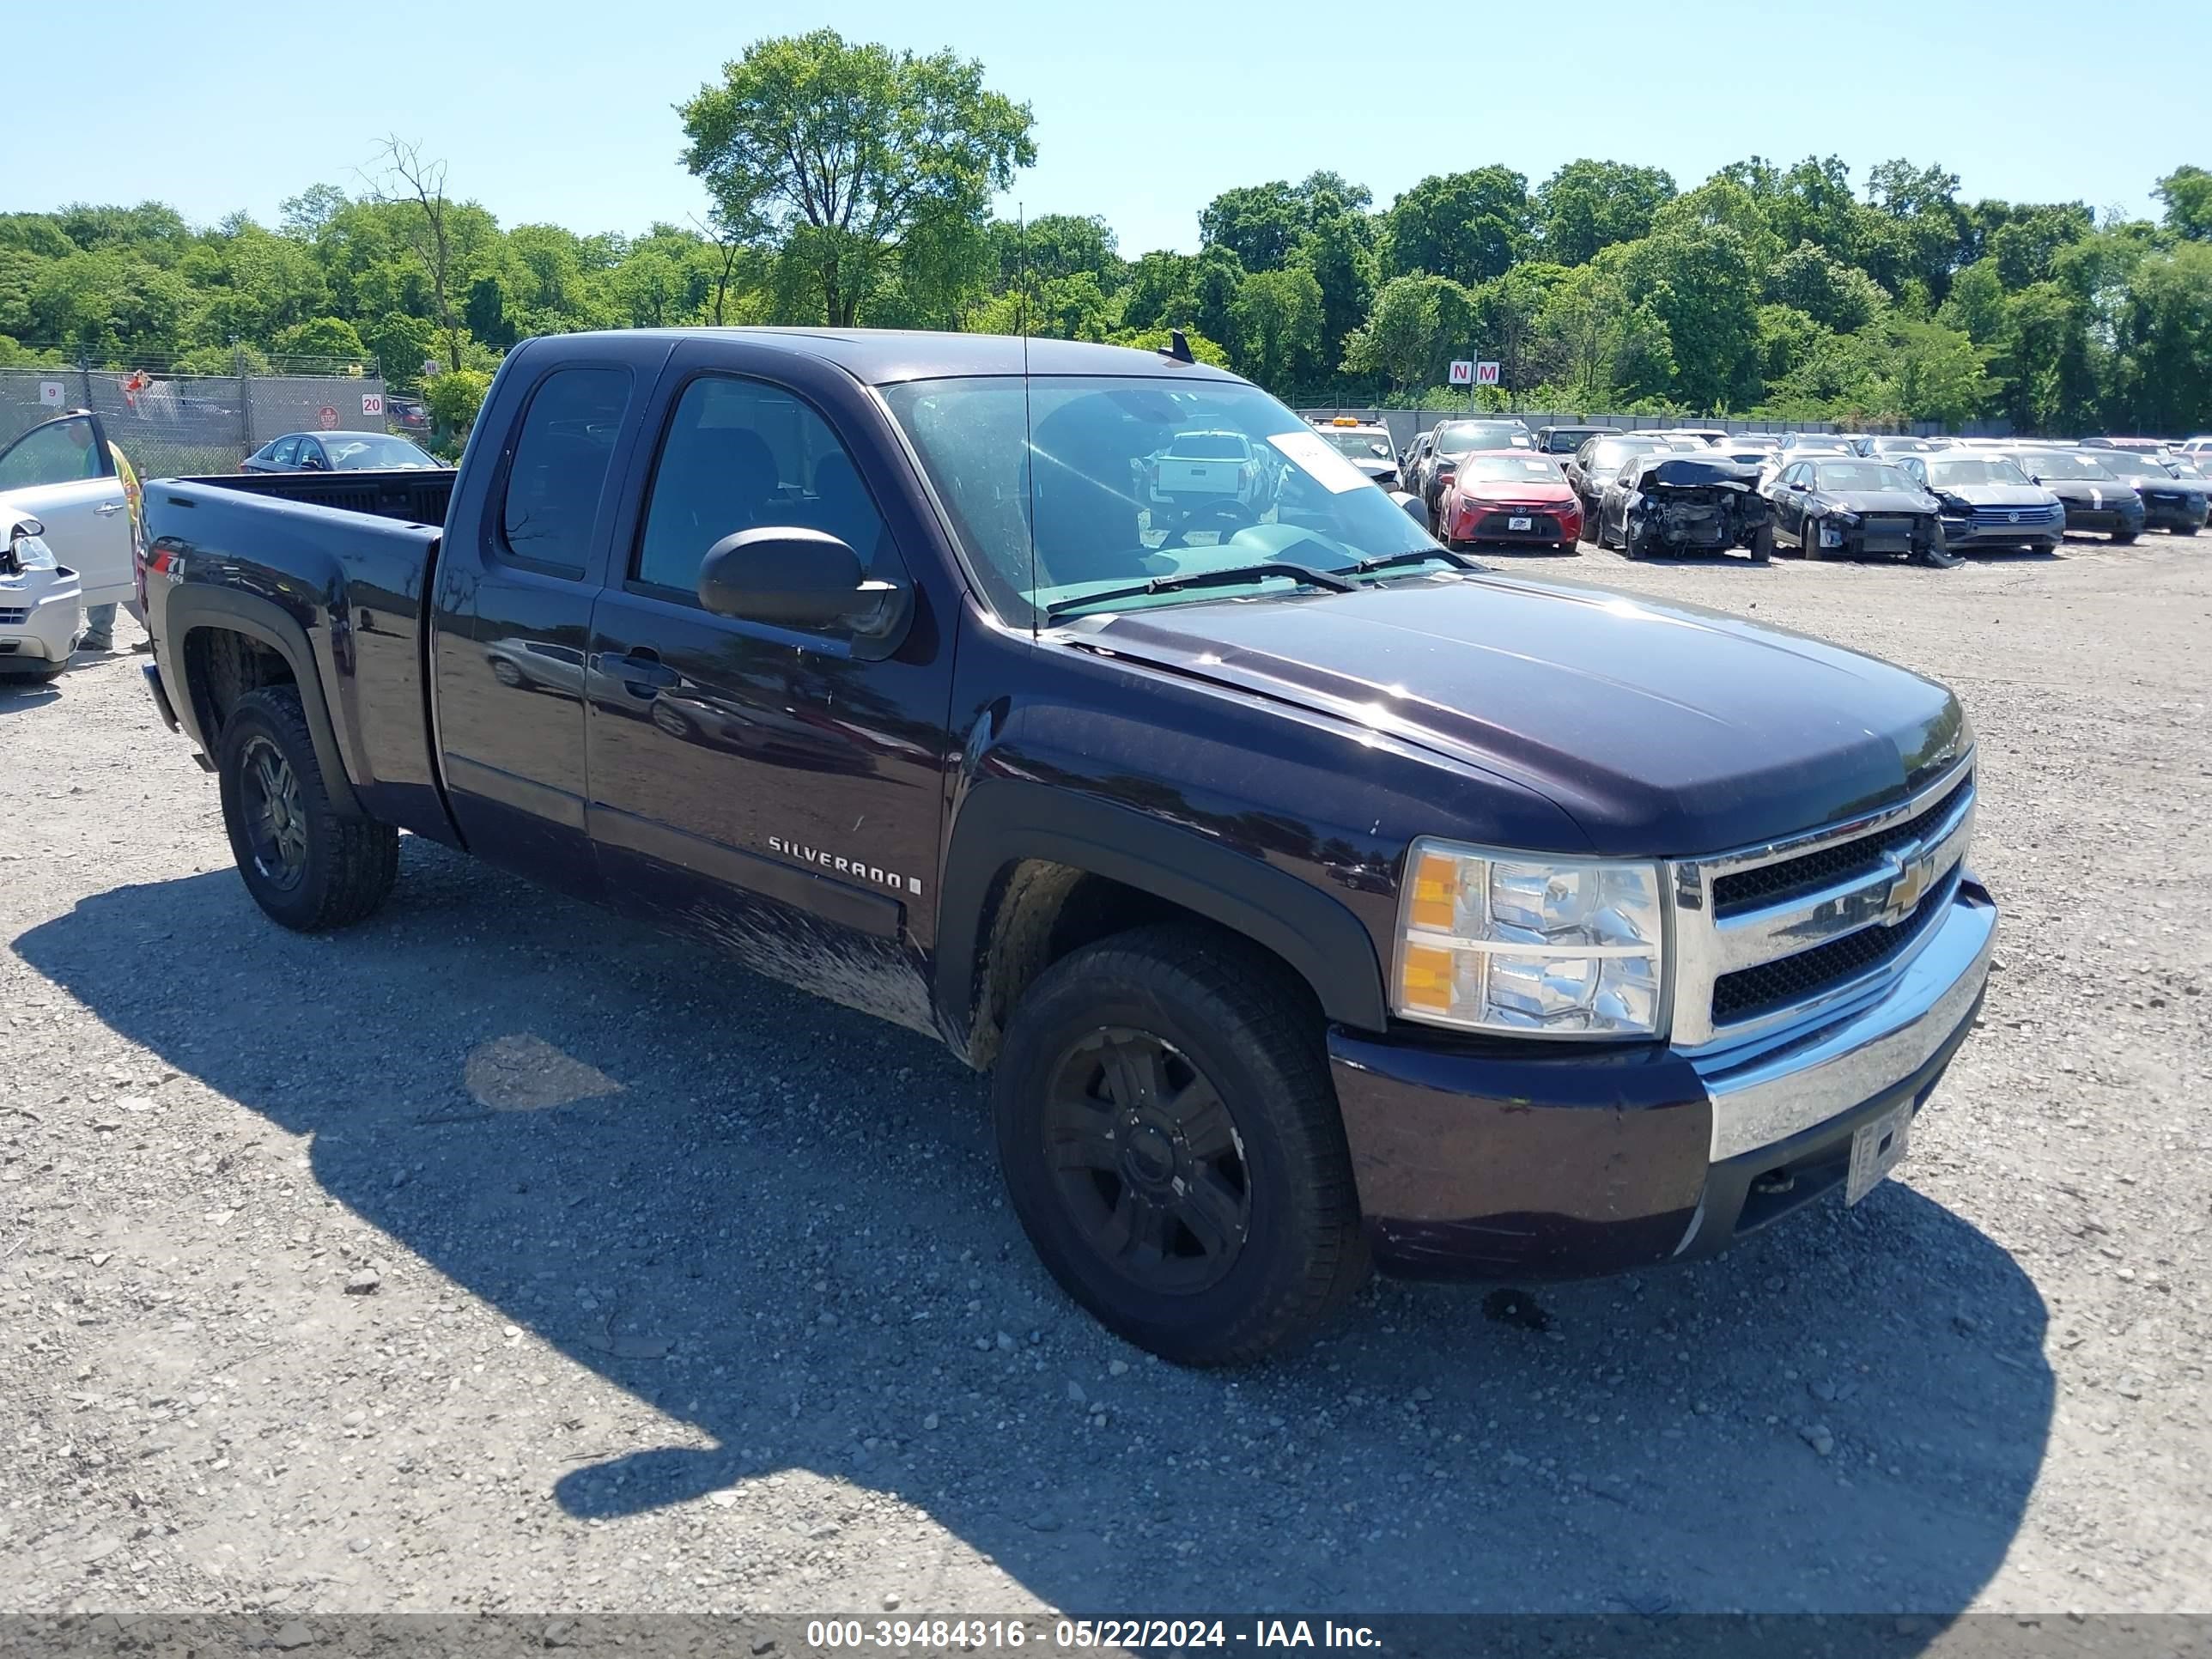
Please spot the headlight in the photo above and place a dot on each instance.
(33, 554)
(1529, 946)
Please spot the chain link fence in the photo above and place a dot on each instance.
(169, 424)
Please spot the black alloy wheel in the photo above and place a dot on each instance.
(275, 817)
(1149, 1163)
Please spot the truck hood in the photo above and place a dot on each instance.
(1661, 730)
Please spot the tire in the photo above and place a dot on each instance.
(673, 721)
(1164, 1011)
(306, 866)
(1808, 538)
(506, 672)
(2125, 537)
(1762, 544)
(2189, 530)
(1632, 545)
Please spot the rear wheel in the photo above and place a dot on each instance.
(2122, 537)
(307, 866)
(1171, 1141)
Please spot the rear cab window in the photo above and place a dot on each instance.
(556, 472)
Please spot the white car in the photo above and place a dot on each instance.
(41, 600)
(61, 472)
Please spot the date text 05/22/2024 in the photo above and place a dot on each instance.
(1081, 1635)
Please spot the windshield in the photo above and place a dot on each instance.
(1612, 451)
(2074, 469)
(1860, 475)
(1357, 445)
(365, 451)
(1464, 438)
(1108, 505)
(1950, 475)
(1516, 469)
(1566, 439)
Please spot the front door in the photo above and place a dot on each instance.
(765, 787)
(61, 473)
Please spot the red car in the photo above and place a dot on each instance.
(1510, 496)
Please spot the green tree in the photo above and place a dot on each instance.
(1588, 206)
(454, 398)
(1704, 283)
(1469, 227)
(2167, 381)
(841, 150)
(2187, 193)
(1339, 250)
(1278, 317)
(1836, 295)
(1398, 339)
(325, 336)
(1057, 245)
(1258, 223)
(1976, 307)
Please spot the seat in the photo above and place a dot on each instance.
(842, 508)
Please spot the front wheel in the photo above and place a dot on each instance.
(307, 866)
(1762, 544)
(2122, 538)
(1171, 1142)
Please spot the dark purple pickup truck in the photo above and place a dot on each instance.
(1317, 895)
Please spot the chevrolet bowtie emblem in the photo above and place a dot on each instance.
(1910, 885)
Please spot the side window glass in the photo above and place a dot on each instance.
(742, 455)
(61, 451)
(286, 453)
(559, 468)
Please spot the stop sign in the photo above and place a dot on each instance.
(327, 418)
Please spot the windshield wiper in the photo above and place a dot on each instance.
(1413, 555)
(1228, 577)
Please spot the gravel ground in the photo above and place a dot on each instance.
(496, 1256)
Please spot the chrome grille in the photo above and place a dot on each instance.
(1768, 936)
(1998, 518)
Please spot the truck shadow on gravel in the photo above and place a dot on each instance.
(778, 1222)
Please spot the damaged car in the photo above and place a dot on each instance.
(1841, 508)
(1987, 502)
(1668, 504)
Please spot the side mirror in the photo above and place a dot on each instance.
(793, 577)
(27, 527)
(1412, 506)
(1799, 484)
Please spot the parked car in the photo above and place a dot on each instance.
(1987, 502)
(2200, 445)
(1890, 444)
(1598, 461)
(408, 416)
(41, 601)
(1508, 497)
(2139, 446)
(339, 452)
(2170, 500)
(1564, 440)
(1707, 435)
(1365, 444)
(61, 472)
(1663, 504)
(1315, 899)
(1455, 439)
(1210, 479)
(2095, 497)
(1850, 507)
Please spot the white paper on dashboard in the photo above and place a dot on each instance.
(1313, 456)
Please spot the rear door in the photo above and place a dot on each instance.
(759, 785)
(513, 609)
(61, 472)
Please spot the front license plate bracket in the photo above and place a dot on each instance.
(1876, 1149)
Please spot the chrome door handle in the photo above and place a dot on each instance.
(108, 508)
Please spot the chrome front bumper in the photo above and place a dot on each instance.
(1781, 1090)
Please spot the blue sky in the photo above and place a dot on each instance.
(561, 111)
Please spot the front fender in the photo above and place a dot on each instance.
(1004, 821)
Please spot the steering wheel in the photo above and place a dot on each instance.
(1228, 515)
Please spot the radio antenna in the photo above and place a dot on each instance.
(1029, 423)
